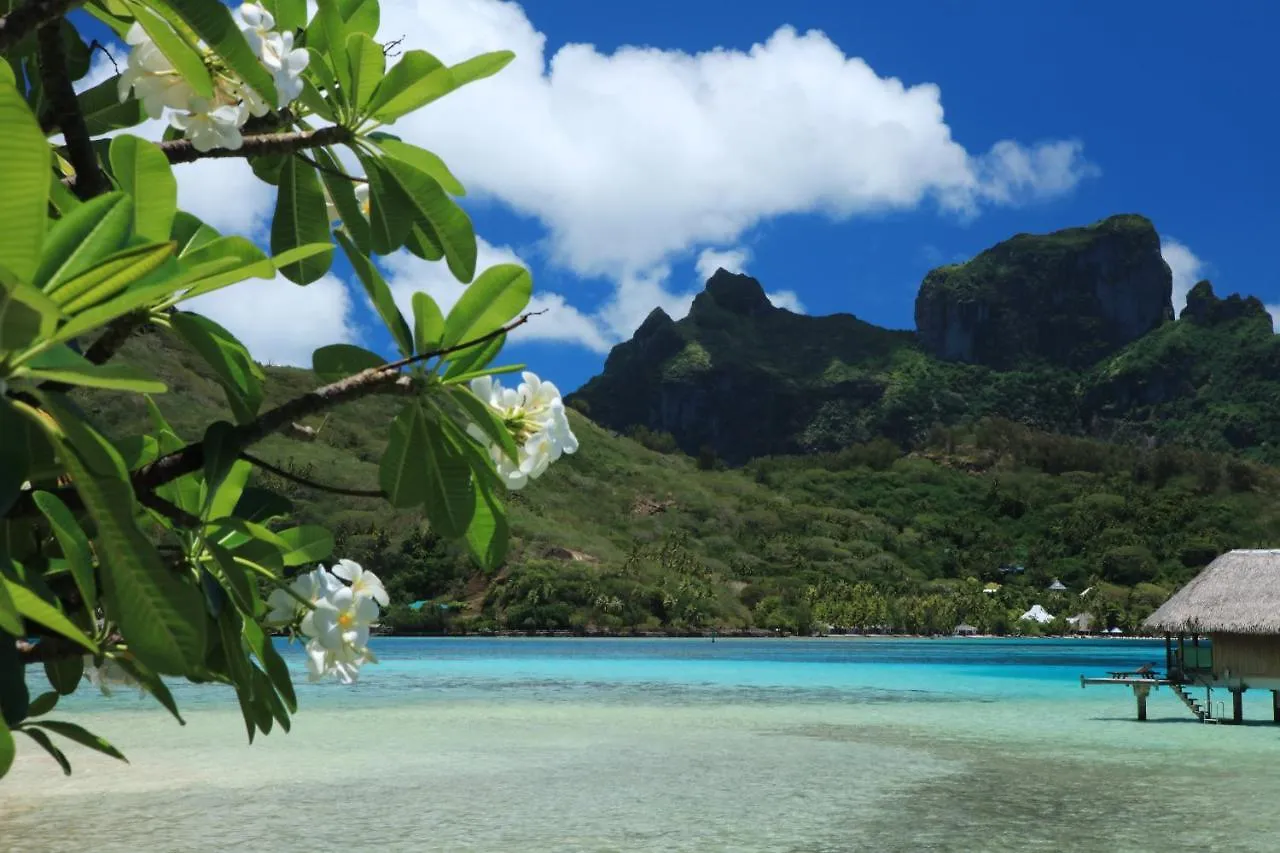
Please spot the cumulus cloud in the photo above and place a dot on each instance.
(631, 157)
(279, 321)
(1187, 270)
(730, 260)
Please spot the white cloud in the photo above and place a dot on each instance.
(1187, 270)
(788, 299)
(632, 157)
(281, 322)
(729, 260)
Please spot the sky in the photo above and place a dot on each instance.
(834, 151)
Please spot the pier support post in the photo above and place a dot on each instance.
(1275, 705)
(1141, 691)
(1237, 705)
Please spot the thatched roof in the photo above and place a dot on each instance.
(1239, 593)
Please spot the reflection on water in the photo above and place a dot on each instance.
(564, 745)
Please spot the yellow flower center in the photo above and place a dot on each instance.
(346, 621)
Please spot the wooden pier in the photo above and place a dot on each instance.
(1142, 686)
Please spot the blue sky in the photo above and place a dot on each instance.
(836, 167)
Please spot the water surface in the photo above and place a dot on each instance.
(835, 744)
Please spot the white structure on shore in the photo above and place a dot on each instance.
(1037, 614)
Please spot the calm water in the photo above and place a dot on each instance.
(671, 745)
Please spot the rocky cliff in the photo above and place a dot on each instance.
(1066, 299)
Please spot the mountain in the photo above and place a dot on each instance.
(632, 535)
(1070, 332)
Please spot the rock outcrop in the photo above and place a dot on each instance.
(1204, 308)
(1064, 299)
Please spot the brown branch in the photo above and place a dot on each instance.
(311, 484)
(66, 112)
(171, 511)
(337, 173)
(375, 380)
(19, 23)
(257, 144)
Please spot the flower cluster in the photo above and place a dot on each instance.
(108, 673)
(534, 414)
(336, 618)
(213, 122)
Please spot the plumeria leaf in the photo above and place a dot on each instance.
(343, 194)
(7, 748)
(47, 745)
(65, 673)
(360, 16)
(71, 731)
(419, 78)
(26, 314)
(463, 378)
(391, 214)
(338, 361)
(238, 259)
(474, 359)
(488, 533)
(184, 57)
(482, 415)
(233, 578)
(153, 684)
(60, 363)
(277, 669)
(421, 159)
(10, 619)
(83, 238)
(379, 294)
(304, 252)
(494, 299)
(327, 34)
(104, 112)
(36, 609)
(367, 62)
(213, 23)
(290, 15)
(74, 545)
(220, 452)
(399, 472)
(160, 617)
(96, 286)
(308, 543)
(25, 154)
(14, 695)
(430, 203)
(300, 219)
(240, 376)
(142, 171)
(448, 490)
(137, 450)
(428, 323)
(422, 241)
(44, 703)
(189, 233)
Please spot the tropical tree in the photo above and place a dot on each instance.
(149, 557)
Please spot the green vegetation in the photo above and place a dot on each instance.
(621, 537)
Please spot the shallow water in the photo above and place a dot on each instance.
(645, 745)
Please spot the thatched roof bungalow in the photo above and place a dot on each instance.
(1226, 623)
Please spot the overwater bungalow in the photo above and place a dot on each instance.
(1222, 631)
(965, 631)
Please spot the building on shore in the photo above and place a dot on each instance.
(1222, 630)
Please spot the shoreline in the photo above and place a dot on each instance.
(740, 635)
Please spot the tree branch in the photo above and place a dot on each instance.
(311, 484)
(257, 144)
(66, 111)
(19, 23)
(171, 511)
(337, 173)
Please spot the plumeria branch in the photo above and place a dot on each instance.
(66, 112)
(19, 23)
(171, 511)
(258, 144)
(384, 379)
(285, 474)
(337, 173)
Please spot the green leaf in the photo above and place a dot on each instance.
(7, 749)
(489, 533)
(62, 199)
(241, 378)
(367, 62)
(10, 620)
(71, 731)
(103, 111)
(494, 299)
(300, 219)
(229, 492)
(302, 253)
(137, 450)
(262, 505)
(430, 203)
(65, 673)
(160, 616)
(448, 491)
(153, 685)
(36, 609)
(322, 93)
(483, 416)
(190, 233)
(327, 34)
(275, 666)
(421, 159)
(109, 277)
(142, 170)
(82, 238)
(419, 78)
(398, 471)
(359, 16)
(240, 258)
(308, 543)
(428, 323)
(213, 23)
(474, 359)
(338, 361)
(46, 744)
(290, 15)
(44, 703)
(390, 212)
(26, 314)
(480, 67)
(343, 194)
(73, 542)
(422, 241)
(220, 453)
(14, 695)
(24, 201)
(183, 56)
(234, 579)
(62, 364)
(379, 294)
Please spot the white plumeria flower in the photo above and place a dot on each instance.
(314, 587)
(341, 622)
(363, 584)
(153, 79)
(257, 27)
(240, 92)
(330, 209)
(286, 65)
(102, 677)
(535, 415)
(344, 663)
(211, 126)
(362, 198)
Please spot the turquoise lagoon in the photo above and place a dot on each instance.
(821, 745)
